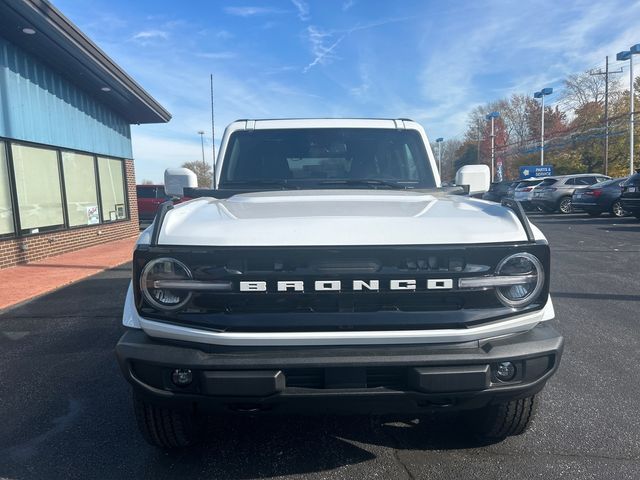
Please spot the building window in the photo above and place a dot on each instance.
(80, 189)
(114, 205)
(37, 177)
(6, 212)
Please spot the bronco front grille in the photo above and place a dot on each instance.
(270, 309)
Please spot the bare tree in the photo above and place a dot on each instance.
(581, 89)
(203, 171)
(515, 113)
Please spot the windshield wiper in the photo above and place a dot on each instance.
(365, 181)
(259, 183)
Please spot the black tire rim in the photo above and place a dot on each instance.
(565, 205)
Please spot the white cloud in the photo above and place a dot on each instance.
(216, 55)
(348, 4)
(303, 9)
(322, 47)
(224, 35)
(150, 34)
(250, 11)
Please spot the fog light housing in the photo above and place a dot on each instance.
(182, 377)
(506, 371)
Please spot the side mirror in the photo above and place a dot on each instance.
(177, 179)
(476, 176)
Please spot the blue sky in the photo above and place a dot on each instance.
(426, 60)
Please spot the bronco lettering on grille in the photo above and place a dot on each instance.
(339, 285)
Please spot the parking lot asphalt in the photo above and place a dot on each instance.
(65, 410)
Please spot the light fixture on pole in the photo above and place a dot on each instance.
(621, 56)
(439, 142)
(201, 133)
(541, 94)
(492, 116)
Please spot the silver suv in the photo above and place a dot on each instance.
(554, 193)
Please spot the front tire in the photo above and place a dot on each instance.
(499, 421)
(564, 205)
(166, 428)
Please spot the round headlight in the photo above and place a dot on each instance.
(162, 270)
(528, 279)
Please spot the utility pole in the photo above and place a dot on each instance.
(606, 74)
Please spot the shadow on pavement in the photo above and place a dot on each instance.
(598, 296)
(265, 447)
(581, 220)
(622, 228)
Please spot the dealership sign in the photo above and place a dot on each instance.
(533, 171)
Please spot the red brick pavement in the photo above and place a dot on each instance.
(23, 282)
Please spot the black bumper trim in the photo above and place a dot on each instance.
(455, 376)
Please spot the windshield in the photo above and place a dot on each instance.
(323, 157)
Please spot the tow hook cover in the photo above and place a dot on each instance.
(450, 379)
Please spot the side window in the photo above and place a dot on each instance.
(588, 180)
(80, 189)
(38, 189)
(6, 210)
(160, 193)
(146, 192)
(570, 181)
(111, 173)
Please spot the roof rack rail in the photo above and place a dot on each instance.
(522, 216)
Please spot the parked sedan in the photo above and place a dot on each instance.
(524, 191)
(630, 198)
(554, 193)
(599, 198)
(498, 190)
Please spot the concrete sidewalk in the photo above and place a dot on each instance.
(24, 282)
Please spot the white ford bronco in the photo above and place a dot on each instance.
(328, 271)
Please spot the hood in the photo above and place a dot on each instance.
(339, 217)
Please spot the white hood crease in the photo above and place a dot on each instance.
(340, 217)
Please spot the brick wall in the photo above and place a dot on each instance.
(35, 247)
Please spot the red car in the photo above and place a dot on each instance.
(150, 197)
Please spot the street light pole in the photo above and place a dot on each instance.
(439, 142)
(542, 134)
(492, 116)
(541, 94)
(632, 111)
(628, 55)
(201, 133)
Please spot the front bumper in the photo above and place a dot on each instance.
(631, 205)
(350, 379)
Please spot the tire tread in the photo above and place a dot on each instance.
(505, 419)
(163, 427)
